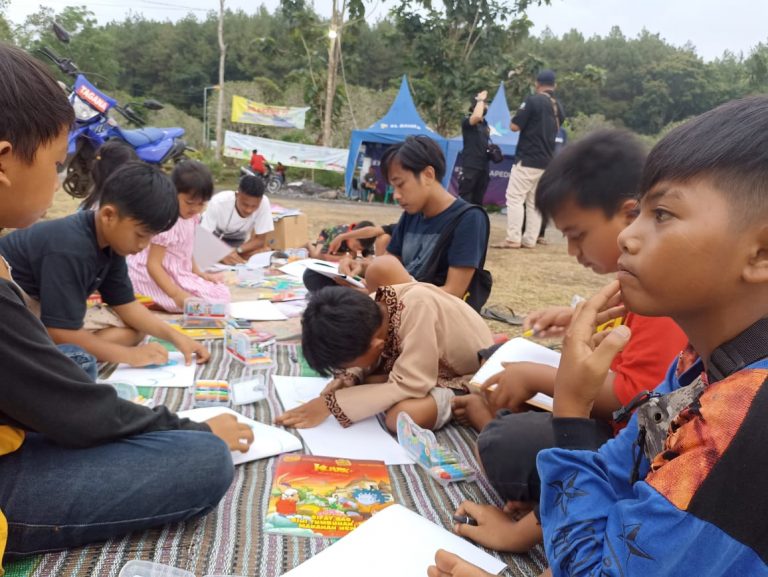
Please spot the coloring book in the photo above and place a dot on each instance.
(325, 496)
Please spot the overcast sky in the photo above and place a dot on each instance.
(712, 26)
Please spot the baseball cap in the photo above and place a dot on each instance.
(546, 77)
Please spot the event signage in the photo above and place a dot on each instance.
(238, 145)
(251, 112)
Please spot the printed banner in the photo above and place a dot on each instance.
(250, 112)
(496, 193)
(238, 145)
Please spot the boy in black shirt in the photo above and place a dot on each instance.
(61, 262)
(77, 463)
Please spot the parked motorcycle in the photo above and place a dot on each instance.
(93, 126)
(272, 181)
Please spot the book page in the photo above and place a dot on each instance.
(515, 351)
(208, 248)
(267, 440)
(395, 542)
(366, 439)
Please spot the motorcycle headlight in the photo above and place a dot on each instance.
(83, 111)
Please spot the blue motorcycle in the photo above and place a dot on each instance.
(93, 126)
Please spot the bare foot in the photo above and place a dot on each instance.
(471, 411)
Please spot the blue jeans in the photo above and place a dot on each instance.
(85, 361)
(56, 498)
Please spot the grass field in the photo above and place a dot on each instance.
(522, 279)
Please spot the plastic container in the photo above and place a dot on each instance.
(251, 387)
(129, 392)
(249, 276)
(150, 569)
(440, 463)
(202, 314)
(138, 568)
(250, 346)
(210, 393)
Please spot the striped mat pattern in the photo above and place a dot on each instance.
(229, 540)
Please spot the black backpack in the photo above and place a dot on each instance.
(480, 286)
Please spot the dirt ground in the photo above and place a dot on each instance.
(522, 279)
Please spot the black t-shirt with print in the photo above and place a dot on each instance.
(538, 130)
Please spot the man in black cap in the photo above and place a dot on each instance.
(474, 155)
(538, 120)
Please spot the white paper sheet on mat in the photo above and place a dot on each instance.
(262, 310)
(394, 542)
(516, 351)
(173, 374)
(363, 440)
(267, 440)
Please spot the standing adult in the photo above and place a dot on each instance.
(538, 120)
(474, 168)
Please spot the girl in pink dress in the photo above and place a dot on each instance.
(166, 270)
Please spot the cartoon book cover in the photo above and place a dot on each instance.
(325, 496)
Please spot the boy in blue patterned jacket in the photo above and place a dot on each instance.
(698, 252)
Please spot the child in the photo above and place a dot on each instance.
(590, 192)
(381, 236)
(241, 218)
(415, 168)
(77, 463)
(405, 351)
(109, 157)
(681, 497)
(166, 271)
(61, 262)
(355, 245)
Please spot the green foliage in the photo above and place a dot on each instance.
(450, 50)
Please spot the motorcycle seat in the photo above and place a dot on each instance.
(143, 136)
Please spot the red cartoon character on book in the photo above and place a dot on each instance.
(286, 505)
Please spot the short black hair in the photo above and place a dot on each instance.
(108, 158)
(728, 145)
(144, 193)
(337, 327)
(366, 243)
(251, 185)
(414, 154)
(602, 170)
(193, 178)
(34, 109)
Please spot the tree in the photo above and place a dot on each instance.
(6, 33)
(222, 62)
(457, 50)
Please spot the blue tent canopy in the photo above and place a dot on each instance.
(400, 121)
(498, 119)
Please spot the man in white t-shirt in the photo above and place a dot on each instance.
(242, 219)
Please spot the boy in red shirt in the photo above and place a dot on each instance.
(589, 192)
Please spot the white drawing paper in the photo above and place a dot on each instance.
(173, 374)
(394, 542)
(267, 440)
(363, 440)
(515, 351)
(261, 310)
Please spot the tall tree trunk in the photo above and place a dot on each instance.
(220, 107)
(333, 59)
